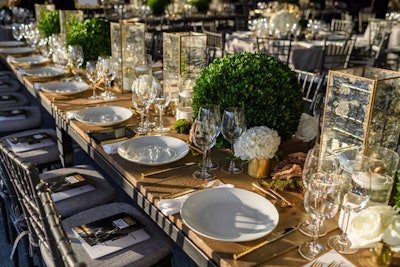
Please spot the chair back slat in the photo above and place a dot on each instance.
(279, 48)
(312, 85)
(24, 177)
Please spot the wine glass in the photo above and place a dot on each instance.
(75, 57)
(358, 171)
(162, 99)
(108, 70)
(233, 125)
(144, 67)
(214, 112)
(321, 201)
(93, 75)
(204, 136)
(316, 162)
(143, 94)
(16, 32)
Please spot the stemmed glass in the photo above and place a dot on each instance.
(214, 112)
(204, 136)
(108, 70)
(144, 91)
(75, 58)
(162, 99)
(355, 170)
(233, 125)
(92, 74)
(16, 32)
(321, 201)
(316, 162)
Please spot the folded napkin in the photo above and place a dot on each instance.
(331, 256)
(71, 114)
(21, 71)
(173, 205)
(112, 148)
(37, 86)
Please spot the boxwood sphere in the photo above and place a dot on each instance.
(265, 87)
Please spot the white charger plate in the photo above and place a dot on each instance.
(17, 50)
(229, 214)
(11, 43)
(44, 72)
(153, 150)
(65, 88)
(30, 60)
(103, 116)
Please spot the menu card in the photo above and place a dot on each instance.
(5, 99)
(110, 234)
(29, 142)
(12, 114)
(68, 186)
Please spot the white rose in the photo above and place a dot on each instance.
(366, 229)
(308, 127)
(391, 236)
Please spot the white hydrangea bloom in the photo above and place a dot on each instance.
(258, 142)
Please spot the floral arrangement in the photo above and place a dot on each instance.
(257, 142)
(374, 225)
(308, 127)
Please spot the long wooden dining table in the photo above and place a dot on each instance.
(147, 191)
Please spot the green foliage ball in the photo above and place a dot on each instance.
(265, 87)
(157, 6)
(49, 22)
(201, 5)
(93, 35)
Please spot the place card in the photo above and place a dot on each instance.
(331, 256)
(29, 142)
(12, 114)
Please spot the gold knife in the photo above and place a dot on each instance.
(269, 239)
(144, 174)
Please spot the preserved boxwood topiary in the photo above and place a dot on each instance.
(265, 87)
(157, 6)
(49, 22)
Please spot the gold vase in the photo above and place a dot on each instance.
(258, 168)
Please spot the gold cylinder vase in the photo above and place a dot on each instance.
(258, 168)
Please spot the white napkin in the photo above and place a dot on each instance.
(37, 86)
(21, 71)
(10, 59)
(112, 148)
(331, 256)
(173, 205)
(71, 114)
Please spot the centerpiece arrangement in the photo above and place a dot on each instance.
(257, 145)
(266, 88)
(49, 22)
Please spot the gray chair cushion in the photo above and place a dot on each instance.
(146, 253)
(33, 119)
(8, 84)
(40, 156)
(13, 99)
(102, 194)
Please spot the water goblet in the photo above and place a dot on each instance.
(367, 174)
(162, 99)
(232, 126)
(143, 94)
(316, 162)
(75, 57)
(321, 201)
(212, 111)
(108, 70)
(204, 136)
(93, 76)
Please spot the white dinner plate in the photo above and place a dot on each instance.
(29, 60)
(65, 88)
(153, 150)
(16, 50)
(11, 43)
(229, 214)
(103, 116)
(44, 72)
